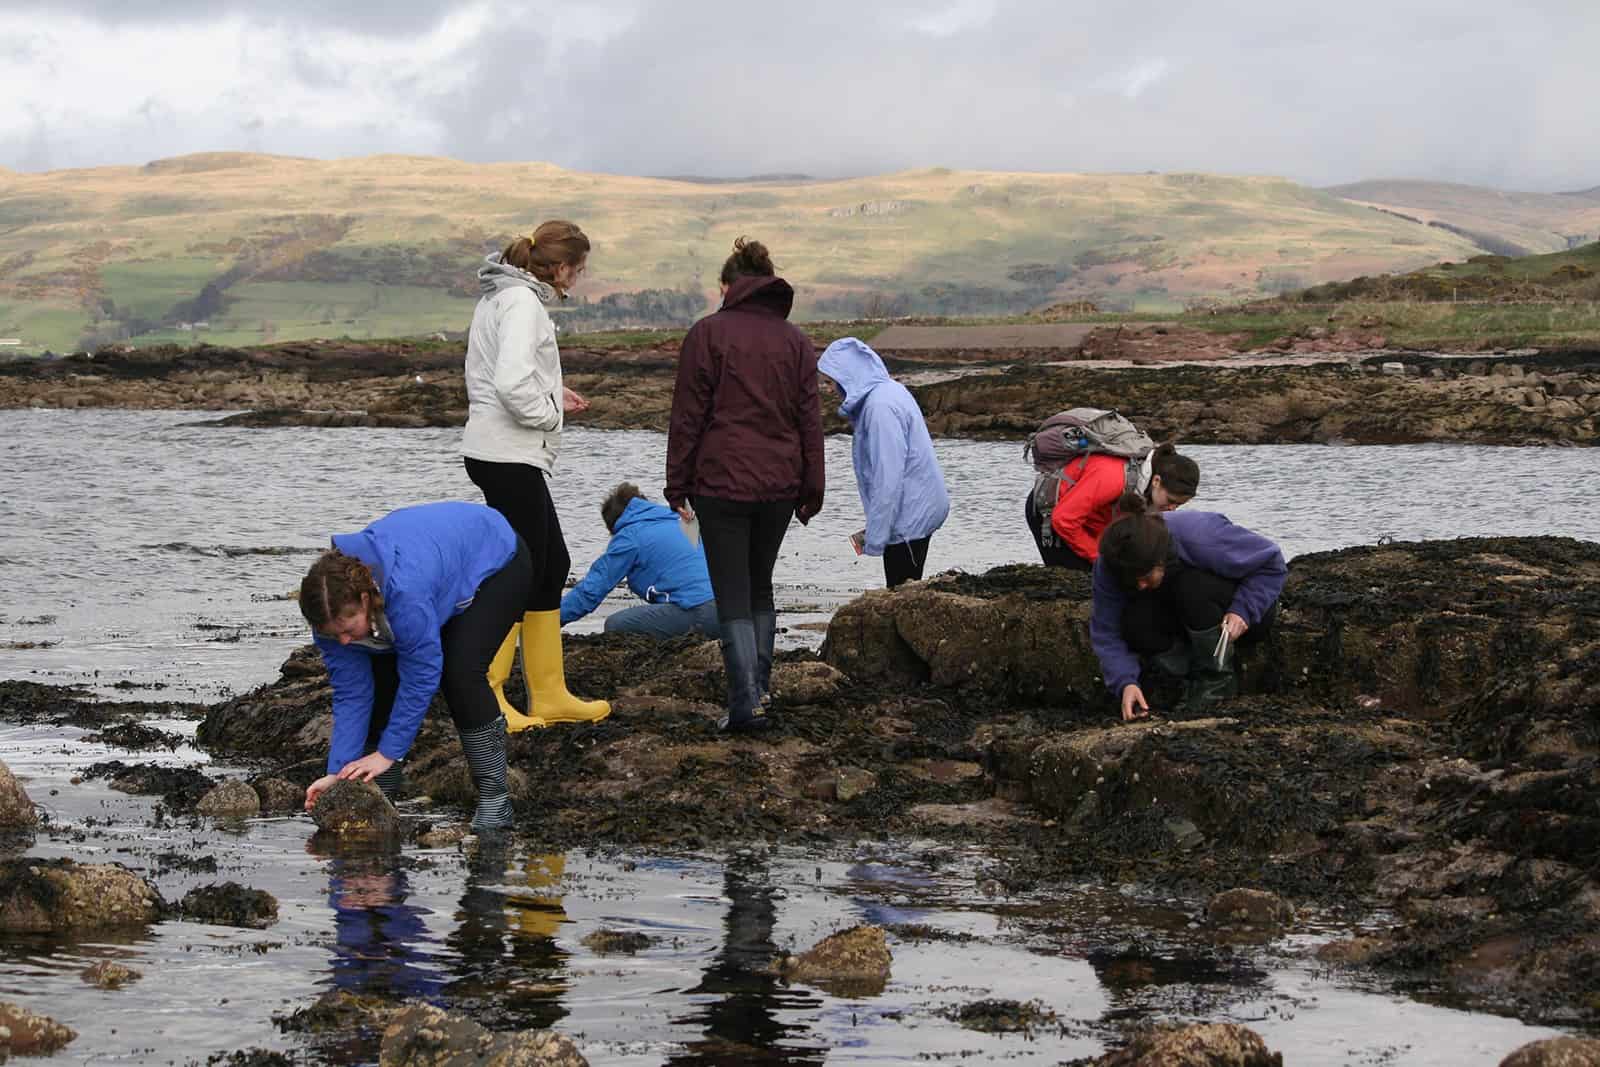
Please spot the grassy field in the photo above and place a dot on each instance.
(383, 246)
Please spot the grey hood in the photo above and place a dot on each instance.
(494, 276)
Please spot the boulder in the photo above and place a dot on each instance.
(1248, 907)
(1556, 1052)
(16, 808)
(231, 799)
(57, 896)
(421, 1035)
(355, 809)
(853, 962)
(279, 794)
(230, 904)
(109, 974)
(26, 1033)
(1203, 1045)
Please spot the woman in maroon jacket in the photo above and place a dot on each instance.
(744, 453)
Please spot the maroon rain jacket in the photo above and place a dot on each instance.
(746, 421)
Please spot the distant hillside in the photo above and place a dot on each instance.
(1502, 223)
(242, 249)
(1552, 278)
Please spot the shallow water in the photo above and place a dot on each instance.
(502, 936)
(140, 548)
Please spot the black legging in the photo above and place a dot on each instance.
(519, 492)
(1188, 598)
(1056, 555)
(904, 561)
(742, 539)
(470, 641)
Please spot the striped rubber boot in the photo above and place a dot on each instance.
(485, 749)
(389, 782)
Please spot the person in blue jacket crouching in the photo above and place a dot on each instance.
(650, 549)
(419, 600)
(901, 485)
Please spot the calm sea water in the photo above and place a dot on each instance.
(140, 547)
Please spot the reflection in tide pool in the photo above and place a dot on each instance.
(649, 959)
(141, 548)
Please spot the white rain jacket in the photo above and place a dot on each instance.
(513, 371)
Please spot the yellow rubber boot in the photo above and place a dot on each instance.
(548, 699)
(499, 672)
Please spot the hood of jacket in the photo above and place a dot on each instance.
(494, 276)
(857, 369)
(640, 511)
(763, 292)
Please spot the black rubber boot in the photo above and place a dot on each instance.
(766, 637)
(1210, 679)
(739, 660)
(485, 750)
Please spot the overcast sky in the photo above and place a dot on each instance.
(1480, 91)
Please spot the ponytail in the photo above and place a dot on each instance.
(1179, 474)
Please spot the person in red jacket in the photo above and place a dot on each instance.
(1087, 499)
(744, 455)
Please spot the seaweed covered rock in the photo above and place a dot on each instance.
(271, 718)
(231, 799)
(351, 809)
(109, 974)
(1248, 907)
(1556, 1052)
(421, 1035)
(278, 794)
(57, 896)
(230, 904)
(853, 962)
(27, 1033)
(1202, 1045)
(16, 808)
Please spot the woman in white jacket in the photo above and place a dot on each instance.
(516, 406)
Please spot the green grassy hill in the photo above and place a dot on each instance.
(1499, 222)
(259, 248)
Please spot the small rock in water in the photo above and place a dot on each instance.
(109, 974)
(1204, 1045)
(611, 942)
(1556, 1052)
(850, 962)
(1003, 1016)
(230, 904)
(233, 799)
(24, 1033)
(444, 836)
(357, 809)
(278, 794)
(1248, 907)
(16, 809)
(421, 1035)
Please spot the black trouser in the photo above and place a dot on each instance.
(470, 641)
(742, 539)
(520, 493)
(904, 561)
(1057, 554)
(1188, 598)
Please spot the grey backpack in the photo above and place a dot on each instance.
(1077, 434)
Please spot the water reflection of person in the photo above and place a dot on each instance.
(504, 953)
(380, 940)
(741, 1024)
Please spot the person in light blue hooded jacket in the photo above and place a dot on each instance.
(902, 488)
(666, 570)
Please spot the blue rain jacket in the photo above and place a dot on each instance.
(428, 561)
(649, 549)
(902, 488)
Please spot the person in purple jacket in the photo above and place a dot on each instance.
(1172, 586)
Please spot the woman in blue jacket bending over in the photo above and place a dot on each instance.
(1170, 586)
(648, 547)
(901, 486)
(419, 600)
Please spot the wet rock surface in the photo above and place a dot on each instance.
(16, 807)
(424, 1036)
(1205, 1045)
(351, 809)
(853, 962)
(230, 904)
(279, 794)
(1556, 1052)
(1248, 907)
(108, 974)
(232, 799)
(1004, 1016)
(27, 1033)
(58, 896)
(1548, 397)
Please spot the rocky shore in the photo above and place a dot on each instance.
(1417, 746)
(1171, 382)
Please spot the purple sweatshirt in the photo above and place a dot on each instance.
(1203, 539)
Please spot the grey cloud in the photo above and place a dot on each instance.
(377, 17)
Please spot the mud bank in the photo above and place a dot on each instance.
(1545, 398)
(1418, 741)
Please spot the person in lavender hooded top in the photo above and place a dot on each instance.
(1167, 586)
